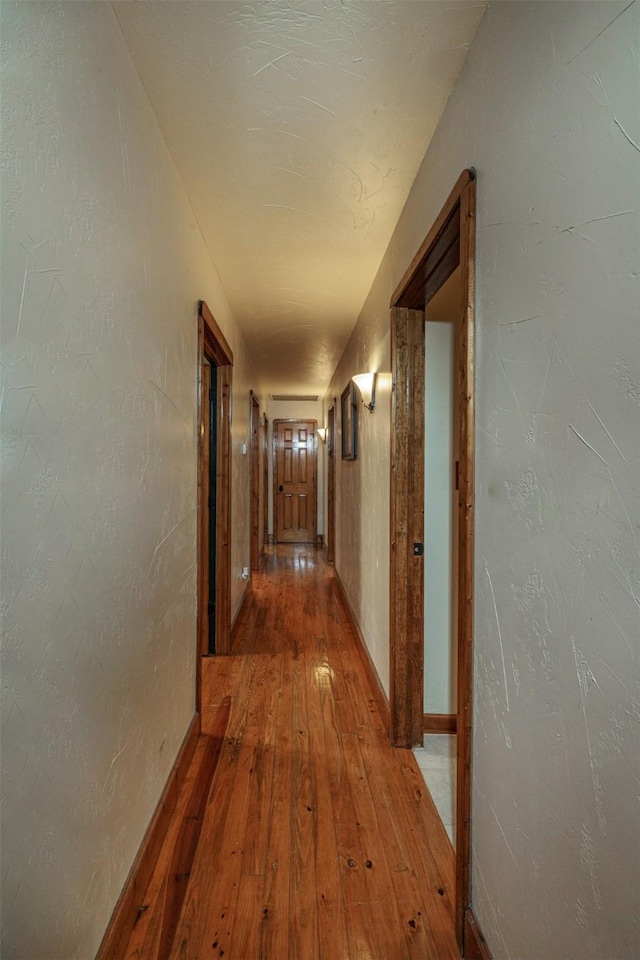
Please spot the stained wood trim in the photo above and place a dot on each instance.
(407, 507)
(382, 701)
(331, 482)
(218, 348)
(436, 267)
(439, 723)
(213, 345)
(254, 432)
(125, 913)
(265, 481)
(452, 200)
(465, 354)
(184, 850)
(204, 385)
(407, 526)
(243, 599)
(475, 945)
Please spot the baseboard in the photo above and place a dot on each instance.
(124, 915)
(369, 665)
(439, 722)
(475, 945)
(241, 604)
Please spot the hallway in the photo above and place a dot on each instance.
(319, 840)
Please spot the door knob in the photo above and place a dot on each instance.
(280, 488)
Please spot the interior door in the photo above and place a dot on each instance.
(295, 457)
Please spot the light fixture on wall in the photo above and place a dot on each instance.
(322, 433)
(366, 384)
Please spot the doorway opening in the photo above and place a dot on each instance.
(215, 361)
(448, 247)
(295, 464)
(254, 433)
(331, 483)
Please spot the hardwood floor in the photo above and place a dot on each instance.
(318, 840)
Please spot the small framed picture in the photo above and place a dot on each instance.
(349, 413)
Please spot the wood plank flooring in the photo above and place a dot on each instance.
(319, 841)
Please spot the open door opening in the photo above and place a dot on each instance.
(449, 246)
(331, 483)
(215, 361)
(254, 433)
(209, 494)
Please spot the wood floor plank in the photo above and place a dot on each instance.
(319, 840)
(332, 929)
(304, 940)
(274, 938)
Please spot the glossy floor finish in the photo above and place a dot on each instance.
(318, 839)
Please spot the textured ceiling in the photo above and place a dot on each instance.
(298, 128)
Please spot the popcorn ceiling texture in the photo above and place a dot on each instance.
(310, 119)
(546, 110)
(102, 264)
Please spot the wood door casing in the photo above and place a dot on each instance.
(214, 350)
(449, 243)
(331, 483)
(295, 481)
(265, 482)
(254, 432)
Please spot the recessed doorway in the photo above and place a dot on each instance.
(449, 246)
(295, 502)
(215, 363)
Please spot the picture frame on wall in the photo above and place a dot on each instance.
(349, 415)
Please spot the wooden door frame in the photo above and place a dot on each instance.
(449, 243)
(212, 346)
(254, 433)
(331, 482)
(275, 469)
(265, 481)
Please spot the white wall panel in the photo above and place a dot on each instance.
(546, 110)
(102, 267)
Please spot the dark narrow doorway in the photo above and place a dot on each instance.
(211, 498)
(215, 364)
(331, 484)
(254, 434)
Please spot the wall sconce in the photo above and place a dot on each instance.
(366, 384)
(322, 433)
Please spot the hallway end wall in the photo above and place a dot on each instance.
(102, 268)
(297, 410)
(546, 111)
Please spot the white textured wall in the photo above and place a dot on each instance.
(440, 676)
(362, 485)
(547, 111)
(102, 266)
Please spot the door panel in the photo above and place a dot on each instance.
(295, 481)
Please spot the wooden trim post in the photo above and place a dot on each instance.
(407, 526)
(213, 346)
(449, 243)
(466, 554)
